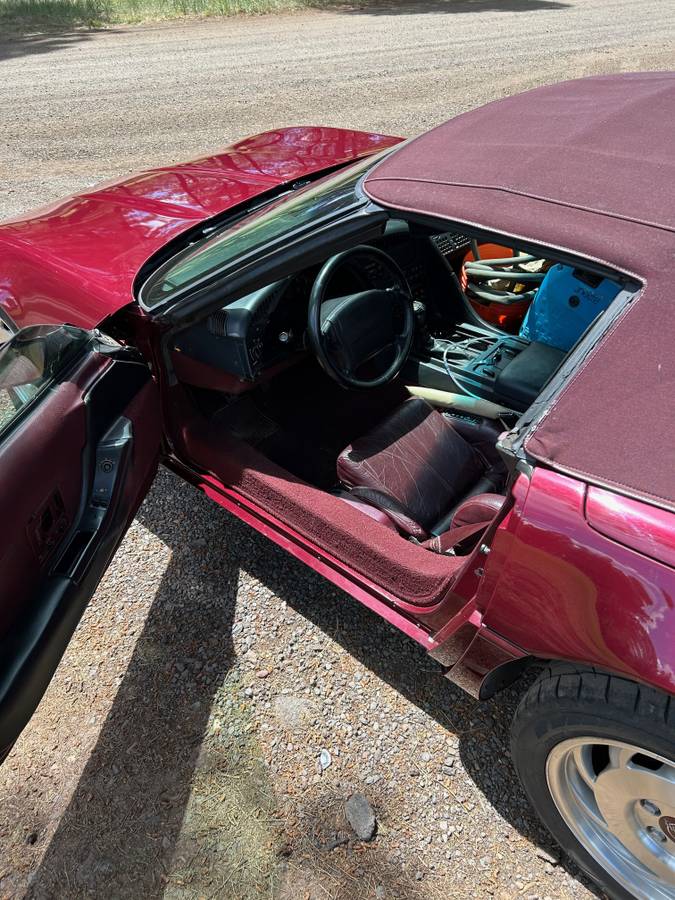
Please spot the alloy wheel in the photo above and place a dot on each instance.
(619, 801)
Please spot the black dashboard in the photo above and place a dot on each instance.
(262, 330)
(254, 333)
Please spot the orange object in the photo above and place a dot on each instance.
(510, 317)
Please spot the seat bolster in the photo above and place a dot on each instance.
(481, 433)
(373, 512)
(481, 508)
(390, 507)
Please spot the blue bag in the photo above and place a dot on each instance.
(567, 301)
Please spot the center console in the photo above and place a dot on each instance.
(502, 368)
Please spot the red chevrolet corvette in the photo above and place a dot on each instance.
(439, 372)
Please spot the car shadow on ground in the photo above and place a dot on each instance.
(123, 824)
(125, 816)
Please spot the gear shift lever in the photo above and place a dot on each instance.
(423, 338)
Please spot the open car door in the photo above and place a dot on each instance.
(79, 445)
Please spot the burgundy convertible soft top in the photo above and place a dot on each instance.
(586, 166)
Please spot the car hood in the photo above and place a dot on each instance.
(76, 260)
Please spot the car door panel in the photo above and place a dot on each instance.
(74, 470)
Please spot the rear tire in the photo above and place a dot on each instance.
(596, 756)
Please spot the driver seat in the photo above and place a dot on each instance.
(429, 472)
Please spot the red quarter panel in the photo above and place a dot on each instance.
(564, 591)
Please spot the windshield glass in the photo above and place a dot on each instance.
(331, 196)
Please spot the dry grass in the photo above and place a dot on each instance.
(229, 837)
(26, 15)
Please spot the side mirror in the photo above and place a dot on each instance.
(29, 360)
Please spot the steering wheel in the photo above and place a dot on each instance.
(347, 332)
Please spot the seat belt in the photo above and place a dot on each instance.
(447, 542)
(443, 543)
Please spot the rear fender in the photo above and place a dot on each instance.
(566, 591)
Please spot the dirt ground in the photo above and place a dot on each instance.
(176, 752)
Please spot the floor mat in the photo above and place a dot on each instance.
(303, 420)
(245, 420)
(313, 464)
(305, 401)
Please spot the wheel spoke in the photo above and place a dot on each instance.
(620, 757)
(591, 809)
(657, 786)
(614, 792)
(583, 759)
(636, 780)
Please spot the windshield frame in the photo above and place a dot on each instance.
(249, 218)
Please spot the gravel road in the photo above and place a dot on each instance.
(175, 753)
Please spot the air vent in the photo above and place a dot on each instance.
(217, 323)
(450, 243)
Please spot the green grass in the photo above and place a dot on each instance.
(26, 15)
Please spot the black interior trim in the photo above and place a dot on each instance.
(540, 250)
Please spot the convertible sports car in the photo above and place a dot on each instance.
(439, 372)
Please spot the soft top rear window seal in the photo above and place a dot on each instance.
(514, 442)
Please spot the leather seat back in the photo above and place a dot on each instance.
(416, 458)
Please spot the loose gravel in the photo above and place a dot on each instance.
(220, 703)
(178, 749)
